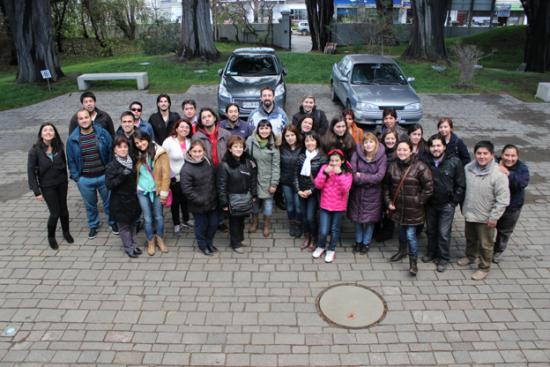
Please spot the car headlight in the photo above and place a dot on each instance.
(223, 92)
(280, 90)
(365, 106)
(413, 107)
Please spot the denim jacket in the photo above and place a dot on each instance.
(74, 158)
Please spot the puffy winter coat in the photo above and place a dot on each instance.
(123, 203)
(518, 179)
(198, 184)
(303, 183)
(268, 162)
(236, 177)
(415, 192)
(365, 201)
(289, 160)
(334, 189)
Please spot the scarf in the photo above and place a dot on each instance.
(213, 139)
(126, 162)
(306, 167)
(262, 142)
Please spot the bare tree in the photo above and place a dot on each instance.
(428, 34)
(319, 15)
(125, 14)
(59, 10)
(384, 8)
(197, 35)
(31, 27)
(537, 46)
(468, 56)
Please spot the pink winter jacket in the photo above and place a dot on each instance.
(334, 189)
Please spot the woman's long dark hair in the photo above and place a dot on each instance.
(293, 129)
(331, 141)
(56, 144)
(271, 138)
(151, 148)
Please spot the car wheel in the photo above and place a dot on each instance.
(333, 95)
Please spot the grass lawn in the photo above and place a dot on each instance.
(166, 74)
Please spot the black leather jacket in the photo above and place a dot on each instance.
(236, 177)
(448, 180)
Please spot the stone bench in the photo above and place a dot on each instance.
(543, 92)
(141, 78)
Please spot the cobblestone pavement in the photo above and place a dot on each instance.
(89, 304)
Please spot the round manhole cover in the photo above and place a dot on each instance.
(351, 306)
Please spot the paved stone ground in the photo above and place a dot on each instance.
(89, 304)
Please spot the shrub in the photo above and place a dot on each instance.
(160, 38)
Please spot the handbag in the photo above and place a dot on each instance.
(240, 204)
(170, 197)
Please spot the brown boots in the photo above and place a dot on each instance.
(151, 247)
(253, 223)
(267, 222)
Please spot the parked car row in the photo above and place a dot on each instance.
(367, 84)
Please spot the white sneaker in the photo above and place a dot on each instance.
(318, 252)
(329, 257)
(177, 229)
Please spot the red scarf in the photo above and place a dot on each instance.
(213, 139)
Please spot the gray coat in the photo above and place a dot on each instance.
(223, 137)
(487, 193)
(365, 201)
(268, 161)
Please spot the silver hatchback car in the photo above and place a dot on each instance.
(246, 72)
(368, 84)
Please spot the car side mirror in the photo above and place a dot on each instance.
(220, 71)
(411, 79)
(285, 71)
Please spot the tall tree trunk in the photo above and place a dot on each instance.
(537, 46)
(197, 36)
(384, 8)
(428, 38)
(319, 15)
(31, 27)
(59, 16)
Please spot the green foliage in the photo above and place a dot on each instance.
(160, 38)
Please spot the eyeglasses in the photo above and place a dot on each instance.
(136, 109)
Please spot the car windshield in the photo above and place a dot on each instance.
(377, 74)
(252, 65)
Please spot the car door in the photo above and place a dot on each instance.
(339, 70)
(346, 92)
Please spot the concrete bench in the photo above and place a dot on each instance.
(141, 78)
(543, 92)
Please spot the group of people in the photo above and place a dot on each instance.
(225, 171)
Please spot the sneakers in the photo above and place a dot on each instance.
(465, 261)
(177, 229)
(238, 249)
(318, 252)
(364, 249)
(441, 266)
(480, 275)
(92, 234)
(356, 248)
(427, 259)
(329, 257)
(114, 229)
(497, 256)
(189, 224)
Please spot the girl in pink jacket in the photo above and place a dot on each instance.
(334, 181)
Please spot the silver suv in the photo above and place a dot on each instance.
(246, 72)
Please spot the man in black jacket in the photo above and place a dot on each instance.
(163, 120)
(98, 116)
(449, 186)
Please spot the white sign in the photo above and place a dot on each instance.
(46, 74)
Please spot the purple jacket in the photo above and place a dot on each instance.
(365, 201)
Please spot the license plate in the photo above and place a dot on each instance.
(251, 104)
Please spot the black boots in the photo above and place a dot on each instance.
(53, 243)
(401, 253)
(413, 269)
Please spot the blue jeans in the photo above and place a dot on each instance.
(152, 212)
(439, 222)
(267, 204)
(89, 187)
(292, 200)
(407, 234)
(329, 222)
(206, 225)
(309, 211)
(363, 233)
